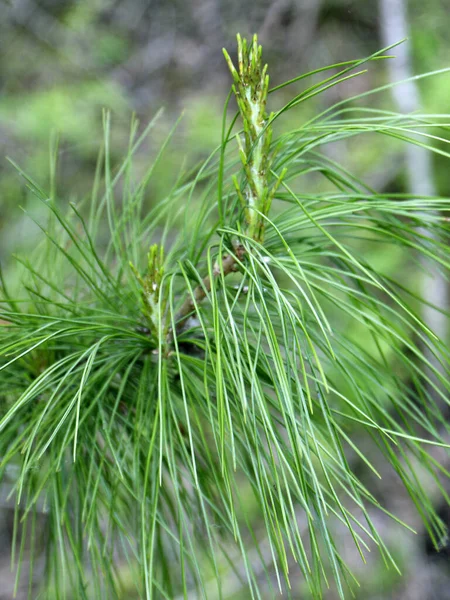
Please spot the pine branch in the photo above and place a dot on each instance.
(228, 265)
(251, 85)
(320, 357)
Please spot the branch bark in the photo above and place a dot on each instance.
(229, 264)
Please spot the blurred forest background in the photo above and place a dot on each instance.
(63, 61)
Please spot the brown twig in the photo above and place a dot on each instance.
(229, 264)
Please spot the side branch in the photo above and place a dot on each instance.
(229, 264)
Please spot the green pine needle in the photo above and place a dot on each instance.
(189, 418)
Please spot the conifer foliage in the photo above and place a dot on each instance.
(180, 413)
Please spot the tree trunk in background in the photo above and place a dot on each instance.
(394, 27)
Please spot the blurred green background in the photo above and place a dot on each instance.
(63, 61)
